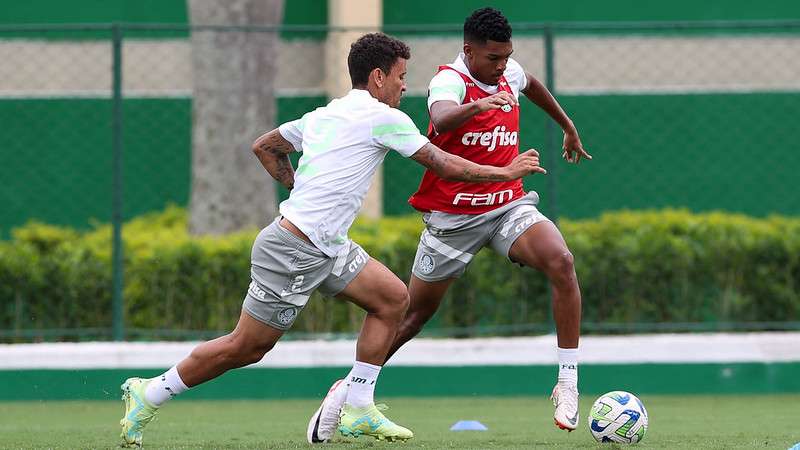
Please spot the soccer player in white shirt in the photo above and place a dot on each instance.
(307, 248)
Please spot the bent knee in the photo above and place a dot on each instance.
(256, 353)
(396, 299)
(245, 353)
(561, 265)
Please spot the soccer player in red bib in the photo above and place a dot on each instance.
(474, 110)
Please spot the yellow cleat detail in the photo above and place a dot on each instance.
(369, 421)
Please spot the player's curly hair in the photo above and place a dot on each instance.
(487, 24)
(371, 51)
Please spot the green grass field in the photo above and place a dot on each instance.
(690, 422)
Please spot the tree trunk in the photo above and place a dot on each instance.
(233, 102)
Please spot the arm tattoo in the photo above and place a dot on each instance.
(273, 141)
(436, 161)
(470, 175)
(284, 172)
(454, 167)
(272, 150)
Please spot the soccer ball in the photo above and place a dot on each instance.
(618, 416)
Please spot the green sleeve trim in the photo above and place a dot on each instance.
(382, 130)
(454, 89)
(398, 142)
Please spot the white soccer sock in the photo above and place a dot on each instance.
(362, 379)
(568, 365)
(164, 387)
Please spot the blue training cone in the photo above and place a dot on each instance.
(468, 425)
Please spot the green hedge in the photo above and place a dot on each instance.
(638, 271)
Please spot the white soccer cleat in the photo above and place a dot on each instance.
(565, 399)
(325, 421)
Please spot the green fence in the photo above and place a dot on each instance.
(96, 119)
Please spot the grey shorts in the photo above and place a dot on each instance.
(285, 270)
(450, 241)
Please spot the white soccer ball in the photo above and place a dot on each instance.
(618, 416)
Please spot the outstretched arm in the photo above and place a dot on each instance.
(273, 150)
(455, 168)
(538, 94)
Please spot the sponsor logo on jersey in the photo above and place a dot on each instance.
(494, 198)
(490, 139)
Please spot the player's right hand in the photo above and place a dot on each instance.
(496, 101)
(525, 164)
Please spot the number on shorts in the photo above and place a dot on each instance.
(297, 283)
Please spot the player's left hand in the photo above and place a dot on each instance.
(573, 149)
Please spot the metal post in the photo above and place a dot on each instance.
(552, 149)
(552, 152)
(116, 214)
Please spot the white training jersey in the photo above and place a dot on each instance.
(343, 144)
(447, 85)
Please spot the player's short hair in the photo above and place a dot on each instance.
(487, 24)
(371, 51)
